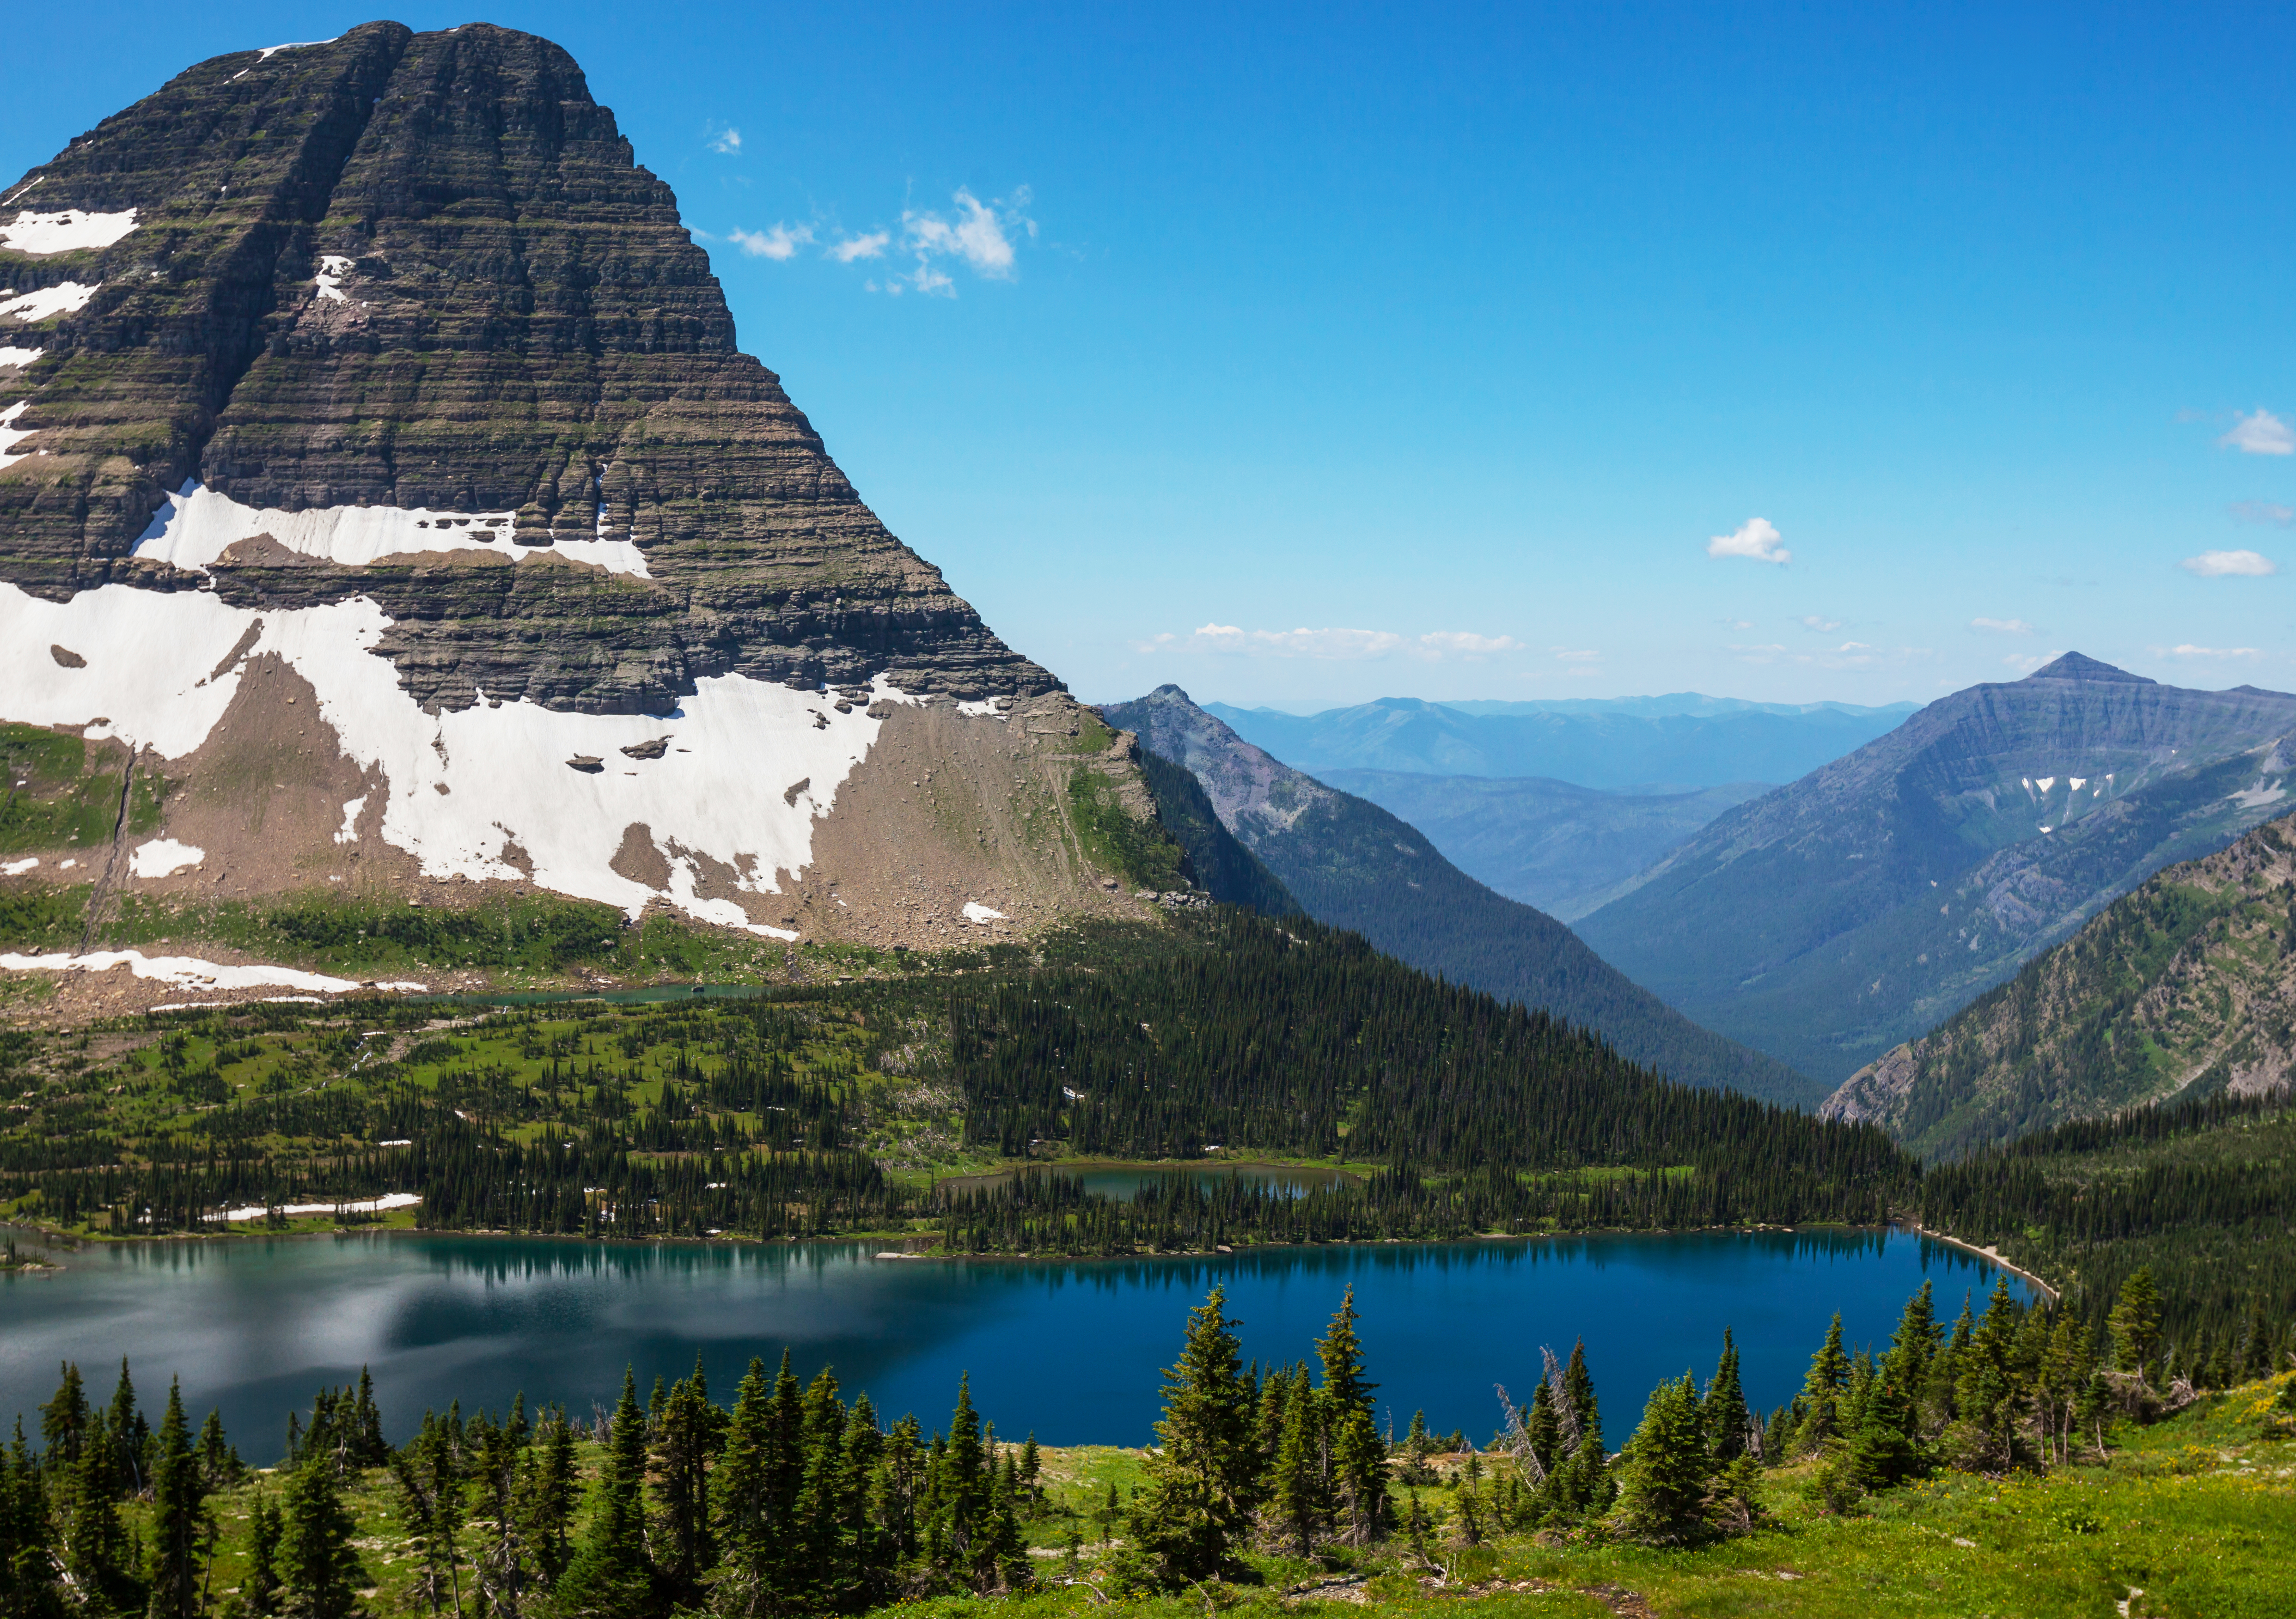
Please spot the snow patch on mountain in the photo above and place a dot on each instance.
(68, 232)
(196, 525)
(190, 972)
(65, 298)
(481, 793)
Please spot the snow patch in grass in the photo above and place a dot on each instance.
(66, 231)
(164, 856)
(190, 972)
(17, 868)
(363, 1205)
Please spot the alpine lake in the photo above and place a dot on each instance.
(1071, 1350)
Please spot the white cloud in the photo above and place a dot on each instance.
(926, 280)
(979, 232)
(728, 141)
(871, 245)
(780, 242)
(2221, 564)
(2262, 511)
(1569, 655)
(1466, 643)
(1757, 538)
(2030, 662)
(2189, 650)
(2261, 433)
(2005, 626)
(1823, 626)
(1739, 624)
(1332, 644)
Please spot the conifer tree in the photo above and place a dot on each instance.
(2135, 1323)
(265, 1531)
(1202, 1484)
(609, 1576)
(1986, 1389)
(1724, 1411)
(549, 1488)
(179, 1516)
(28, 1589)
(1544, 1429)
(64, 1421)
(1821, 1393)
(93, 1543)
(1359, 1461)
(1300, 1498)
(432, 1505)
(1912, 1348)
(1665, 1468)
(130, 1435)
(687, 1434)
(319, 1571)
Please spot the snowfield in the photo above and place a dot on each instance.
(190, 972)
(459, 790)
(64, 232)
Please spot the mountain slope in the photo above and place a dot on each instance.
(1218, 859)
(1608, 748)
(1827, 921)
(1566, 849)
(1351, 864)
(2185, 987)
(381, 475)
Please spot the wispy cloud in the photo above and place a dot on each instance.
(1332, 644)
(2004, 626)
(779, 242)
(2262, 511)
(2030, 662)
(727, 139)
(869, 245)
(2260, 433)
(2189, 650)
(1757, 538)
(2230, 564)
(1823, 626)
(1574, 655)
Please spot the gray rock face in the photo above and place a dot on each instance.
(423, 271)
(1828, 920)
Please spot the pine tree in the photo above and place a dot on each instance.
(548, 1490)
(1359, 1464)
(319, 1571)
(94, 1545)
(64, 1421)
(131, 1436)
(1911, 1349)
(1202, 1484)
(609, 1576)
(1988, 1390)
(179, 1516)
(28, 1589)
(1878, 1453)
(1302, 1502)
(1724, 1411)
(265, 1531)
(1665, 1470)
(1821, 1393)
(432, 1505)
(688, 1435)
(2135, 1323)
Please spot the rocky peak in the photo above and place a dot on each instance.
(398, 295)
(2074, 666)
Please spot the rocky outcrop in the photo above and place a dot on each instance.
(423, 271)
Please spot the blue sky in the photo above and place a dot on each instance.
(1310, 355)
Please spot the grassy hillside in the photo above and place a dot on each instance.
(2184, 988)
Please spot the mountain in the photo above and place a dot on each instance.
(1827, 921)
(2183, 988)
(1218, 859)
(1708, 744)
(386, 507)
(1567, 850)
(1351, 864)
(1669, 704)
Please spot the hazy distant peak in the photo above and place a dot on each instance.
(2074, 666)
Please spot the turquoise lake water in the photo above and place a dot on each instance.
(1070, 1350)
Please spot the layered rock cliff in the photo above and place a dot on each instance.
(422, 273)
(386, 507)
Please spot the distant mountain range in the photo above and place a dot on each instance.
(2184, 988)
(1352, 864)
(1564, 848)
(1679, 743)
(1830, 920)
